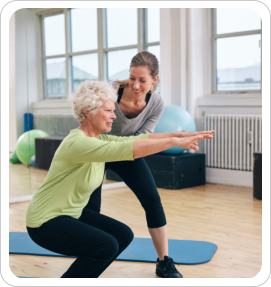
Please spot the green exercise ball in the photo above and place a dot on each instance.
(25, 147)
(14, 158)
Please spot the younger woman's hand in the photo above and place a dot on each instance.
(191, 134)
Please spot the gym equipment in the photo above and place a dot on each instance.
(25, 147)
(257, 175)
(14, 158)
(187, 252)
(45, 150)
(32, 160)
(173, 119)
(28, 122)
(173, 171)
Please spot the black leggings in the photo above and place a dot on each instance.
(94, 238)
(137, 175)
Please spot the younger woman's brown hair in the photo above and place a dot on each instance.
(143, 59)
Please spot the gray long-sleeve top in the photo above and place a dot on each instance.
(143, 123)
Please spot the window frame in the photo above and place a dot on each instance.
(214, 37)
(148, 44)
(101, 51)
(44, 58)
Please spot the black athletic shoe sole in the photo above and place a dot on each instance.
(159, 274)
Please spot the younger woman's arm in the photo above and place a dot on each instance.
(145, 147)
(177, 134)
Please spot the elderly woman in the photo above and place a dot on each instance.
(56, 218)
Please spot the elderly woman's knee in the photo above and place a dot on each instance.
(111, 246)
(127, 234)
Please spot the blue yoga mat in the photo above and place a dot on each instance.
(25, 277)
(140, 250)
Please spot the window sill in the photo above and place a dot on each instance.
(239, 95)
(52, 106)
(51, 103)
(227, 100)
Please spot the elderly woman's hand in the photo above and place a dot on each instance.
(192, 141)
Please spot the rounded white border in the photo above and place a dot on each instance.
(263, 275)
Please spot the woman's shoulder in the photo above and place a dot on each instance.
(156, 96)
(157, 101)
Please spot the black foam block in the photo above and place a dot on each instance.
(173, 171)
(257, 175)
(45, 149)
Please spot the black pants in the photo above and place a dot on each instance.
(94, 238)
(137, 175)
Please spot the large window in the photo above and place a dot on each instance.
(95, 44)
(237, 51)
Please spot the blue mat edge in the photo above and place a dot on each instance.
(25, 277)
(127, 260)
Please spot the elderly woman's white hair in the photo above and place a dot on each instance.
(91, 94)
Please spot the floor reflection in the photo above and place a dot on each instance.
(25, 180)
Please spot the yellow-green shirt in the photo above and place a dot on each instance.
(77, 169)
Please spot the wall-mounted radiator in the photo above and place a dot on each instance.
(55, 124)
(235, 139)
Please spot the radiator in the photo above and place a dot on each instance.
(55, 124)
(235, 140)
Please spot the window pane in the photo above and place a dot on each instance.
(121, 25)
(84, 29)
(118, 63)
(236, 20)
(84, 67)
(239, 63)
(153, 23)
(54, 35)
(156, 51)
(55, 77)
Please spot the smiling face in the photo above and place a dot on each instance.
(140, 81)
(103, 119)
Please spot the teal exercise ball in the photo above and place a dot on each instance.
(25, 147)
(33, 160)
(174, 119)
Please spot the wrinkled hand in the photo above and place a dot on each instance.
(192, 141)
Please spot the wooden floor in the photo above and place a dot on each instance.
(225, 215)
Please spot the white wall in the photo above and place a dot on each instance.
(12, 80)
(198, 71)
(165, 58)
(173, 52)
(184, 57)
(27, 79)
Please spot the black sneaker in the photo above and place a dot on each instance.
(166, 268)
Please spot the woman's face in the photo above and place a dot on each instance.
(140, 81)
(103, 119)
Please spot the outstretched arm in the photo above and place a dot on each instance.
(145, 147)
(177, 134)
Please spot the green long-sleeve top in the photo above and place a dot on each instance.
(77, 169)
